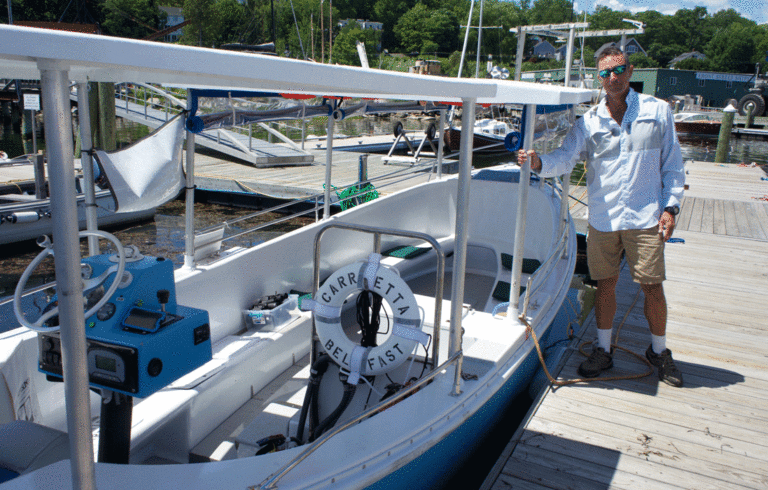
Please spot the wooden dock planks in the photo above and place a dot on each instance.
(641, 433)
(216, 173)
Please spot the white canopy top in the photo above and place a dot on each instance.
(24, 51)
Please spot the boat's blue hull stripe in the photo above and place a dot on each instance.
(434, 468)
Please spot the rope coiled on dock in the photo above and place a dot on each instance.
(556, 382)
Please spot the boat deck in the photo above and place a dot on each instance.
(642, 433)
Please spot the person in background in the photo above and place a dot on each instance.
(635, 181)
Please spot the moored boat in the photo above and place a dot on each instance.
(395, 358)
(702, 123)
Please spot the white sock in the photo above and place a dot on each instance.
(658, 343)
(604, 338)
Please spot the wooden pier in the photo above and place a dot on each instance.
(223, 175)
(642, 433)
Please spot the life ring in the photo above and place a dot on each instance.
(406, 324)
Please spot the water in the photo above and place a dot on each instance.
(739, 151)
(161, 237)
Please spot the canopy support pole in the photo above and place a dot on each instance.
(569, 56)
(328, 165)
(462, 223)
(522, 213)
(441, 144)
(84, 117)
(61, 169)
(189, 215)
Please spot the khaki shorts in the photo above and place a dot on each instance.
(644, 250)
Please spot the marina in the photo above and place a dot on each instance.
(397, 402)
(643, 433)
(269, 362)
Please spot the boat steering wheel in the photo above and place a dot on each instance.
(88, 284)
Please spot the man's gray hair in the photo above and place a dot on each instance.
(611, 51)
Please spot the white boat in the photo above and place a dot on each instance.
(135, 181)
(698, 123)
(189, 373)
(23, 216)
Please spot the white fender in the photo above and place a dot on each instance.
(406, 329)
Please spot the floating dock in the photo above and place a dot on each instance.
(642, 433)
(214, 173)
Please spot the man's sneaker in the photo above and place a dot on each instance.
(668, 372)
(597, 362)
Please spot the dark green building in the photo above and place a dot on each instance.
(714, 88)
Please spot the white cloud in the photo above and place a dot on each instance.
(667, 8)
(618, 6)
(751, 9)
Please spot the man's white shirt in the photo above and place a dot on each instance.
(634, 170)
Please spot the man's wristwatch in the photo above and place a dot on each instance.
(673, 210)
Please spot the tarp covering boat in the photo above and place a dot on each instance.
(149, 172)
(197, 123)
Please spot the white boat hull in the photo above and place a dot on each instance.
(418, 441)
(21, 230)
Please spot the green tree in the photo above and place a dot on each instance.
(732, 49)
(132, 18)
(761, 47)
(664, 53)
(723, 18)
(604, 18)
(693, 64)
(388, 12)
(201, 29)
(345, 45)
(639, 60)
(660, 38)
(422, 29)
(52, 11)
(693, 27)
(551, 12)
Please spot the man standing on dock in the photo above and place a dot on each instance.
(635, 181)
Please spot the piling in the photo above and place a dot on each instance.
(5, 109)
(362, 171)
(103, 119)
(725, 133)
(750, 116)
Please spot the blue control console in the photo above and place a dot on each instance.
(141, 340)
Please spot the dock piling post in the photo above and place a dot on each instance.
(725, 133)
(750, 116)
(362, 169)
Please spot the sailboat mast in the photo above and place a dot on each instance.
(466, 39)
(479, 37)
(322, 32)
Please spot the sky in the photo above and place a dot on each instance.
(756, 10)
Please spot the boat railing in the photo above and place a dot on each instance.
(383, 181)
(169, 104)
(559, 248)
(548, 266)
(29, 292)
(377, 233)
(271, 481)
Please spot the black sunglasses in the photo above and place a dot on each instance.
(616, 69)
